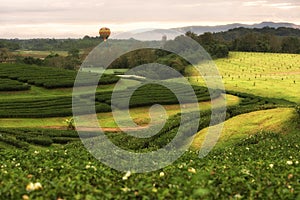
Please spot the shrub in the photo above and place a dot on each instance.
(12, 141)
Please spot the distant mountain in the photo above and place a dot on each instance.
(202, 29)
(157, 34)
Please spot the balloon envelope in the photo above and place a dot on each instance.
(104, 33)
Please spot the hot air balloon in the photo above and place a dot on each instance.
(104, 33)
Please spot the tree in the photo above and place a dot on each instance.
(4, 54)
(220, 51)
(32, 61)
(74, 53)
(55, 61)
(291, 45)
(72, 61)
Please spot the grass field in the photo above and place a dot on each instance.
(262, 74)
(107, 71)
(280, 120)
(39, 54)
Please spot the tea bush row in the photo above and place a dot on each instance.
(12, 85)
(49, 77)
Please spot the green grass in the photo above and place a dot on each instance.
(107, 71)
(280, 120)
(262, 74)
(39, 54)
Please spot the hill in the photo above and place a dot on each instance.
(173, 32)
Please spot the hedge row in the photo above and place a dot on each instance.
(14, 142)
(156, 94)
(44, 107)
(49, 77)
(22, 137)
(12, 85)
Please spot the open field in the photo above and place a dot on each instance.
(262, 74)
(107, 71)
(39, 54)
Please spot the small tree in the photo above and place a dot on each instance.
(72, 60)
(70, 123)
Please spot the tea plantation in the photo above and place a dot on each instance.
(44, 163)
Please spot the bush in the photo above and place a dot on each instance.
(49, 77)
(39, 140)
(298, 109)
(64, 140)
(12, 141)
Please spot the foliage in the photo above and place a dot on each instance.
(12, 85)
(153, 93)
(21, 138)
(4, 55)
(32, 61)
(146, 56)
(216, 48)
(49, 77)
(60, 106)
(50, 44)
(280, 40)
(70, 123)
(263, 166)
(297, 107)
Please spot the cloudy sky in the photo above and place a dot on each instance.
(76, 18)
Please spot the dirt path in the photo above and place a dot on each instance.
(104, 129)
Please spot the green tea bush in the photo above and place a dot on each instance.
(153, 93)
(63, 140)
(43, 107)
(20, 137)
(12, 85)
(43, 141)
(49, 77)
(263, 166)
(14, 142)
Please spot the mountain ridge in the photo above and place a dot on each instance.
(156, 34)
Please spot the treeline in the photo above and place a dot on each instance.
(273, 40)
(49, 44)
(146, 56)
(215, 47)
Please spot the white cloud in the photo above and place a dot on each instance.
(254, 3)
(277, 5)
(286, 6)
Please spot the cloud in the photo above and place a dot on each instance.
(276, 5)
(77, 18)
(286, 6)
(254, 3)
